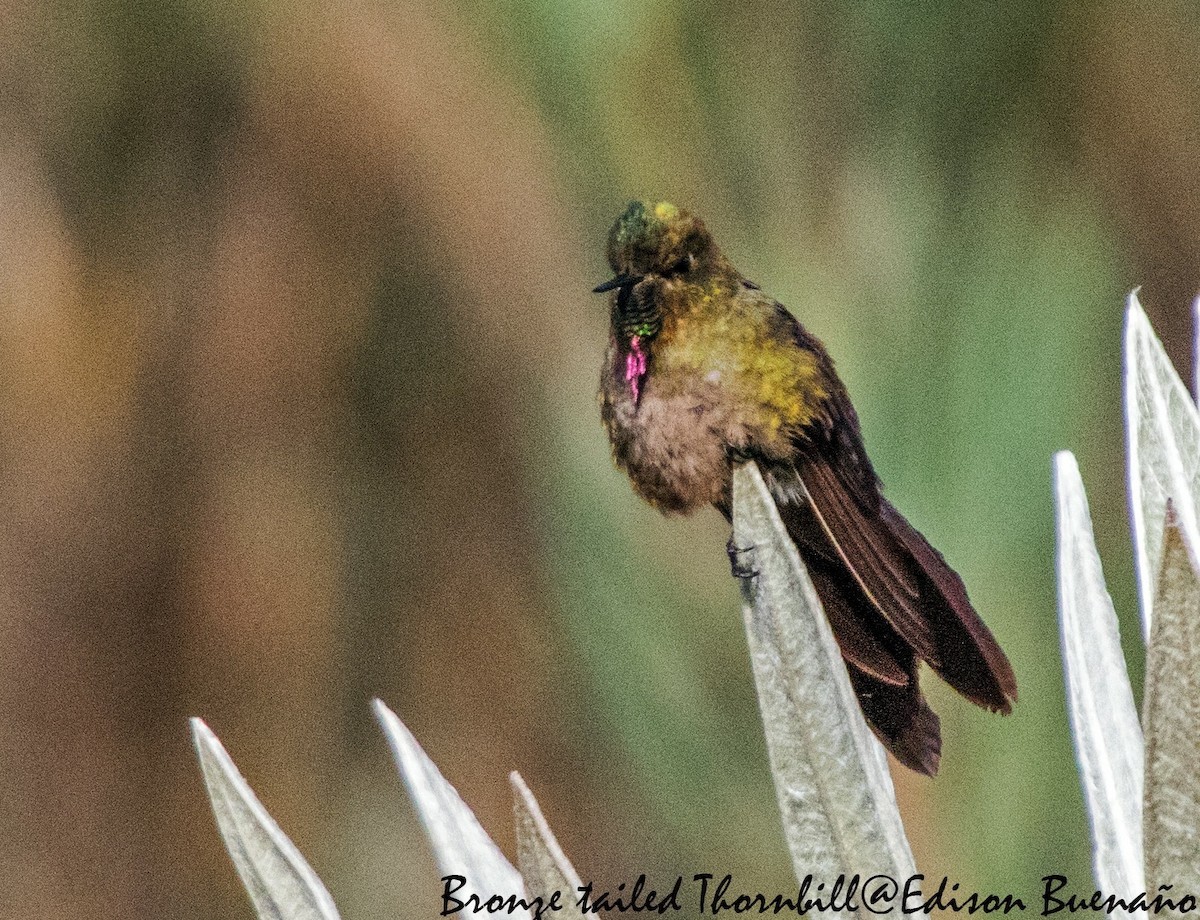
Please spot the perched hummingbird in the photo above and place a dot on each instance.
(703, 371)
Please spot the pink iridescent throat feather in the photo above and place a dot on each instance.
(635, 366)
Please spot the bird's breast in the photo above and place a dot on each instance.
(675, 438)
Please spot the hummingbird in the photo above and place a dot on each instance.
(703, 371)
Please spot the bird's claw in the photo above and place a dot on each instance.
(741, 560)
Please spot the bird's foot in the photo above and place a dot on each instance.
(741, 560)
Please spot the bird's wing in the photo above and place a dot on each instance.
(858, 645)
(907, 581)
(963, 636)
(867, 642)
(871, 553)
(902, 577)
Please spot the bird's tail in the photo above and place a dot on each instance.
(901, 719)
(882, 669)
(883, 646)
(968, 656)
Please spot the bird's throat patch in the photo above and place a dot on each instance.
(635, 367)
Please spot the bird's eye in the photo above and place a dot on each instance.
(683, 265)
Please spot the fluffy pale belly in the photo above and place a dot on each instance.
(675, 446)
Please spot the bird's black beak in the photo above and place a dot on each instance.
(618, 282)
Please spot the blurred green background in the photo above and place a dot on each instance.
(297, 376)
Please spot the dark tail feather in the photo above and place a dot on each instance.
(882, 667)
(860, 647)
(901, 719)
(864, 637)
(969, 658)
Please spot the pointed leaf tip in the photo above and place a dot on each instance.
(544, 866)
(1108, 739)
(460, 844)
(1162, 427)
(281, 884)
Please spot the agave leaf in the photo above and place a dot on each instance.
(460, 845)
(1172, 720)
(1108, 739)
(282, 886)
(831, 777)
(544, 866)
(1163, 431)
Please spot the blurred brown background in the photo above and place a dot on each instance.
(297, 373)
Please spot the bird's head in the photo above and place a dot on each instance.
(655, 240)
